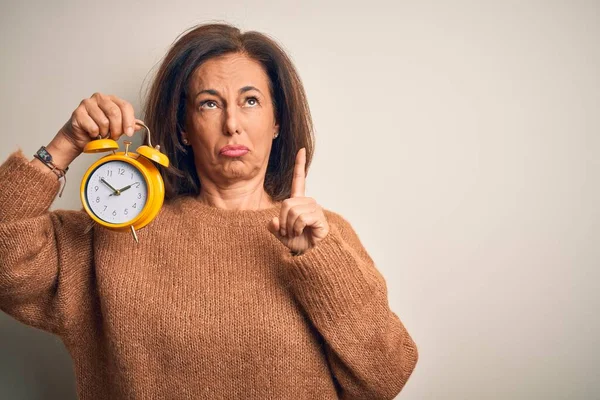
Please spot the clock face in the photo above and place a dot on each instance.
(116, 192)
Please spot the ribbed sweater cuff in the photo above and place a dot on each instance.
(331, 280)
(25, 191)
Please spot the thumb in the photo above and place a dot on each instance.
(273, 226)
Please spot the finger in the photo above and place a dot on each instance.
(299, 179)
(97, 115)
(297, 212)
(127, 115)
(113, 112)
(286, 205)
(273, 226)
(304, 220)
(82, 119)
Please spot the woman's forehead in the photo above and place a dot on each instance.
(231, 71)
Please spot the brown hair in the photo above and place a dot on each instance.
(165, 106)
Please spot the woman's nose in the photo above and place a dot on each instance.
(232, 122)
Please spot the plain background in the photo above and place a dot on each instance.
(460, 138)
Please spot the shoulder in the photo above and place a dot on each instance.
(342, 229)
(340, 225)
(181, 206)
(336, 219)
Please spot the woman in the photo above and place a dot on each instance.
(242, 287)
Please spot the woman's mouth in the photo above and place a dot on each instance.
(234, 150)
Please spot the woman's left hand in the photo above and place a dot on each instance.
(301, 223)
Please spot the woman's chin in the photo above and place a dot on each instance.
(235, 169)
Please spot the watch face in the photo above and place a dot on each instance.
(116, 192)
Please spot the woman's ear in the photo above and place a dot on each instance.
(184, 138)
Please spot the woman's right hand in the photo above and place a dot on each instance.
(100, 115)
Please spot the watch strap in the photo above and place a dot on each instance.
(46, 158)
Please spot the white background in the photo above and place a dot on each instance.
(460, 138)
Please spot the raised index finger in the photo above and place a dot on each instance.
(299, 179)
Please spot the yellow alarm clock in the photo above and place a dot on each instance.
(124, 191)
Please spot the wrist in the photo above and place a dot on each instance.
(56, 157)
(62, 150)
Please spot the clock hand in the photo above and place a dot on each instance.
(113, 189)
(123, 189)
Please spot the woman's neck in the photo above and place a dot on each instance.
(236, 199)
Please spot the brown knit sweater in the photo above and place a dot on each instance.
(209, 304)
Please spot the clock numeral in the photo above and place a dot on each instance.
(121, 171)
(132, 175)
(108, 172)
(114, 213)
(137, 185)
(134, 205)
(98, 199)
(96, 188)
(104, 208)
(125, 212)
(139, 195)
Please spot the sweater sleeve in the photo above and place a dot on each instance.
(345, 296)
(43, 255)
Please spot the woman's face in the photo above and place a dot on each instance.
(229, 103)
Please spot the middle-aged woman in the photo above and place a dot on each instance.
(242, 287)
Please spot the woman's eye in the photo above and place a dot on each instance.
(210, 104)
(252, 101)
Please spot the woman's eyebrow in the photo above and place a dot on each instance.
(216, 92)
(209, 91)
(248, 88)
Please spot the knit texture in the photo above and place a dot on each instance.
(209, 304)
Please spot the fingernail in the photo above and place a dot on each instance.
(283, 232)
(129, 130)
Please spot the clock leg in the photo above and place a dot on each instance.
(134, 234)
